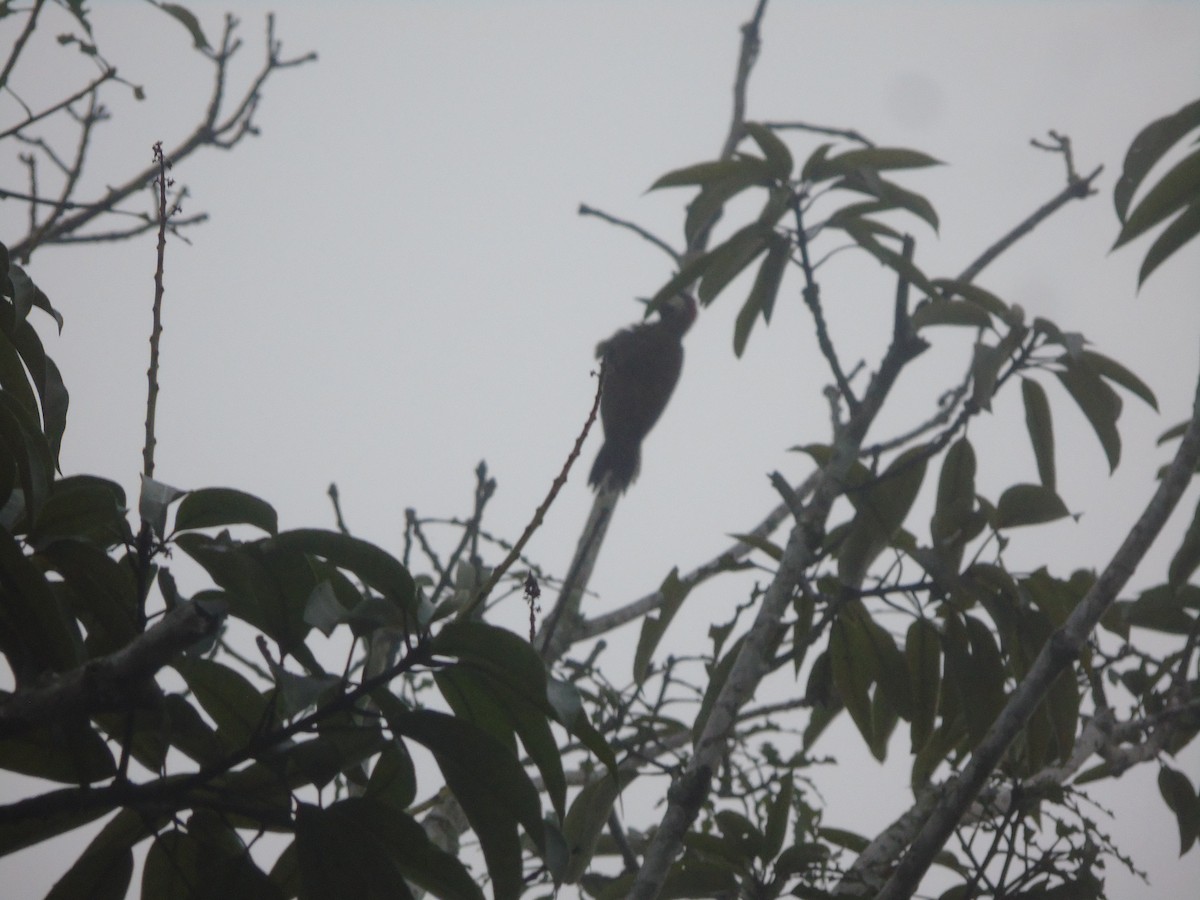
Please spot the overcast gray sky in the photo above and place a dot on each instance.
(395, 283)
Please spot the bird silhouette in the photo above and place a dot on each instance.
(641, 368)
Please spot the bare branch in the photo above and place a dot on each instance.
(1075, 190)
(585, 210)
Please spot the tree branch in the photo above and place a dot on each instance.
(106, 683)
(1059, 652)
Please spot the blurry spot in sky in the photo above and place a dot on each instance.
(915, 101)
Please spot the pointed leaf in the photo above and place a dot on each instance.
(654, 626)
(747, 168)
(1151, 144)
(1041, 429)
(1187, 557)
(1098, 402)
(1115, 372)
(728, 260)
(923, 654)
(156, 497)
(1177, 189)
(1181, 231)
(761, 300)
(779, 157)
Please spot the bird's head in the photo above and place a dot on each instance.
(678, 312)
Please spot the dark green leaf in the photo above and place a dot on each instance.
(1182, 230)
(881, 509)
(876, 159)
(587, 818)
(950, 312)
(86, 508)
(923, 653)
(156, 497)
(1117, 373)
(1098, 402)
(393, 779)
(747, 168)
(489, 783)
(359, 847)
(102, 592)
(189, 21)
(124, 830)
(1151, 144)
(729, 259)
(779, 157)
(1187, 557)
(1163, 608)
(955, 495)
(778, 812)
(654, 626)
(70, 753)
(218, 507)
(37, 633)
(761, 300)
(1041, 430)
(1177, 790)
(853, 668)
(1028, 504)
(374, 566)
(1176, 190)
(985, 300)
(239, 710)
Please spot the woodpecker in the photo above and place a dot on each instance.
(641, 368)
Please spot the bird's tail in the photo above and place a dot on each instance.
(619, 463)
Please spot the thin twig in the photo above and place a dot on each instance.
(107, 75)
(1075, 190)
(19, 44)
(585, 210)
(540, 513)
(847, 133)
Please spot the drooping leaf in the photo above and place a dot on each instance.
(853, 668)
(358, 847)
(1041, 429)
(1187, 557)
(237, 707)
(778, 156)
(1177, 791)
(923, 653)
(37, 633)
(587, 818)
(881, 509)
(1182, 230)
(1151, 144)
(1117, 373)
(761, 300)
(489, 783)
(955, 496)
(1178, 189)
(105, 867)
(778, 813)
(654, 625)
(1098, 402)
(727, 260)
